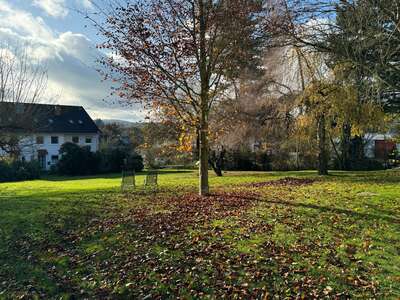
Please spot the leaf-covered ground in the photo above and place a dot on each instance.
(258, 236)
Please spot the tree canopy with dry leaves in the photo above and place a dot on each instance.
(179, 54)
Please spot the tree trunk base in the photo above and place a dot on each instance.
(203, 167)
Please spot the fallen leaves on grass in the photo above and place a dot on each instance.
(174, 248)
(287, 181)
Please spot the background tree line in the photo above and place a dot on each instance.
(301, 79)
(301, 82)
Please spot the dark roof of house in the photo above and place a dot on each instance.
(45, 118)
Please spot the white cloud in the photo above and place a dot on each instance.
(4, 7)
(77, 45)
(85, 3)
(54, 8)
(22, 22)
(70, 59)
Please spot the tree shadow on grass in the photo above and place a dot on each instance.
(358, 215)
(111, 175)
(70, 178)
(386, 176)
(367, 177)
(45, 197)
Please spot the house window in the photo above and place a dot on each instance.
(42, 161)
(88, 140)
(54, 159)
(54, 139)
(40, 140)
(75, 139)
(42, 158)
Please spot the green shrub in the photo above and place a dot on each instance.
(113, 159)
(239, 160)
(15, 170)
(76, 160)
(289, 161)
(262, 161)
(366, 165)
(5, 171)
(136, 162)
(246, 160)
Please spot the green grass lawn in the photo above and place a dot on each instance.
(336, 237)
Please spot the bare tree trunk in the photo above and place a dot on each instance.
(345, 146)
(196, 152)
(216, 160)
(203, 168)
(204, 77)
(217, 170)
(338, 156)
(323, 153)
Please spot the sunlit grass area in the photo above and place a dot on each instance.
(334, 236)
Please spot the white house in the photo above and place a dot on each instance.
(54, 125)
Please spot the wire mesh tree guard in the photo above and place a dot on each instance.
(128, 182)
(151, 180)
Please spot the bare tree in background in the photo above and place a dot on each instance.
(22, 83)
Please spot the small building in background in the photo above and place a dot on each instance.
(48, 128)
(380, 146)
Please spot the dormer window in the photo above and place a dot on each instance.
(71, 121)
(80, 122)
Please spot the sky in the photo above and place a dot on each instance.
(64, 42)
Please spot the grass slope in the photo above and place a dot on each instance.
(337, 237)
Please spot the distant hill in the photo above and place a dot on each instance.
(122, 123)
